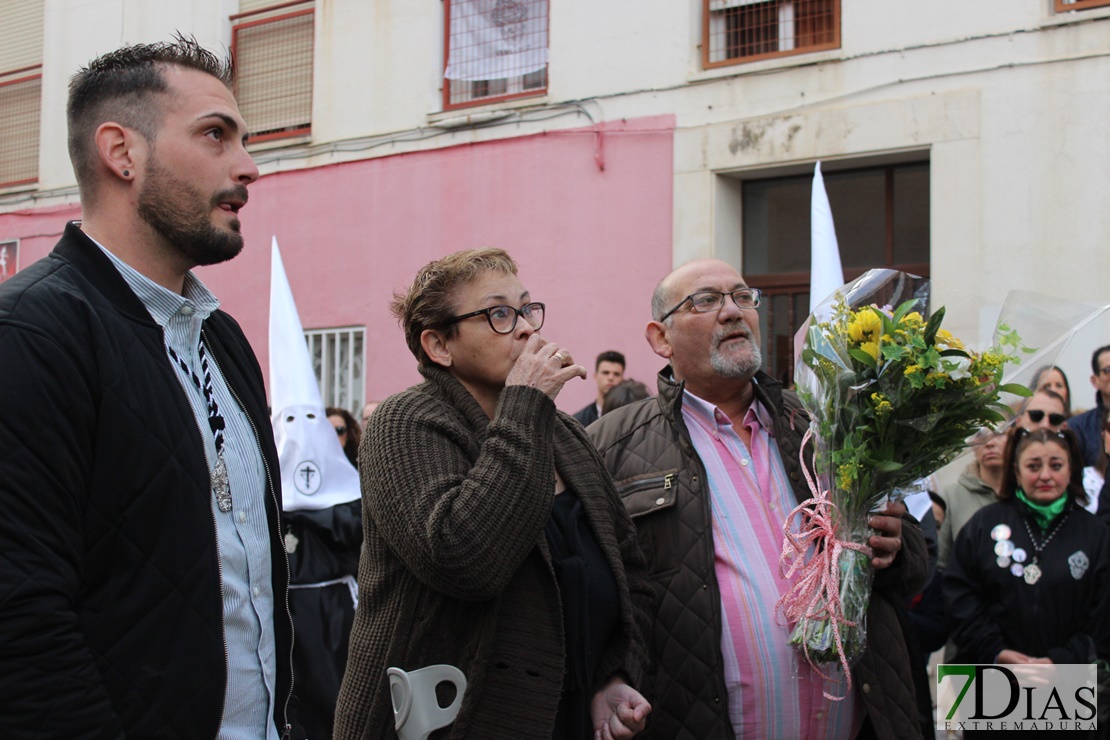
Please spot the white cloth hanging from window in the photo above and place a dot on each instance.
(495, 39)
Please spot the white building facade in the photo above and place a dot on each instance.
(604, 142)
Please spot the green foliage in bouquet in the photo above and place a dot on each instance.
(896, 397)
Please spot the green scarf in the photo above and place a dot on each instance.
(1044, 514)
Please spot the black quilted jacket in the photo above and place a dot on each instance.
(111, 616)
(647, 450)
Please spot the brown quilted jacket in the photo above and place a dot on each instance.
(659, 476)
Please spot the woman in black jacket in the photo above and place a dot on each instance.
(1029, 581)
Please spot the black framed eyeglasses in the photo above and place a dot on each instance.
(1035, 416)
(502, 319)
(708, 301)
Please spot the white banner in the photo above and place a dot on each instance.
(495, 39)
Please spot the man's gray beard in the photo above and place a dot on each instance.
(740, 369)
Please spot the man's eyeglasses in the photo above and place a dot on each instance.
(1035, 415)
(502, 319)
(341, 431)
(712, 300)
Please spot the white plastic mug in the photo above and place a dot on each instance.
(416, 711)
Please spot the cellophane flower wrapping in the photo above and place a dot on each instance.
(892, 397)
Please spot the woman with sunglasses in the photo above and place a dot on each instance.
(1029, 580)
(494, 540)
(1044, 410)
(350, 436)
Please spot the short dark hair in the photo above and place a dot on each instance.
(429, 303)
(121, 86)
(1095, 369)
(622, 394)
(1020, 439)
(609, 356)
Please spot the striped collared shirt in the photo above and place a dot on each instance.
(243, 533)
(772, 692)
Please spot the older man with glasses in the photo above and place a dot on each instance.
(709, 470)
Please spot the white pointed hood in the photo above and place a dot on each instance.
(315, 474)
(826, 275)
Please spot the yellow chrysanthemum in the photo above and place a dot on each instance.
(865, 326)
(913, 319)
(871, 348)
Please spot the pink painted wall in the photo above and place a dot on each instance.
(590, 243)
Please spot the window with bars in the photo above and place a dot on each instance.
(273, 49)
(736, 31)
(494, 50)
(339, 358)
(881, 216)
(1063, 6)
(20, 97)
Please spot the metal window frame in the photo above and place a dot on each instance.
(236, 28)
(15, 269)
(330, 366)
(532, 93)
(792, 284)
(705, 50)
(1061, 6)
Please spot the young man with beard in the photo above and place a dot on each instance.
(142, 572)
(709, 470)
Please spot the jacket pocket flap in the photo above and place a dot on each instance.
(649, 492)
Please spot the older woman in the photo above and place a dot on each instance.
(1029, 580)
(494, 541)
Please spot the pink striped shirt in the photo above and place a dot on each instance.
(772, 692)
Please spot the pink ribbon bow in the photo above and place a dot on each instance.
(815, 594)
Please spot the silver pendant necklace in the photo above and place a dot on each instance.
(221, 484)
(1032, 572)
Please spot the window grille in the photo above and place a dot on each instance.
(495, 50)
(1064, 6)
(881, 216)
(339, 358)
(20, 97)
(737, 31)
(273, 50)
(9, 259)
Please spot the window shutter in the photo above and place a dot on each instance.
(21, 38)
(273, 60)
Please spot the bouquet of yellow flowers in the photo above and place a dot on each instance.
(892, 397)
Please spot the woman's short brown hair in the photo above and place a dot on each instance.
(429, 303)
(1020, 439)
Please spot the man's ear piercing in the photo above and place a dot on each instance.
(126, 173)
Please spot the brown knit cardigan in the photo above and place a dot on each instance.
(455, 567)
